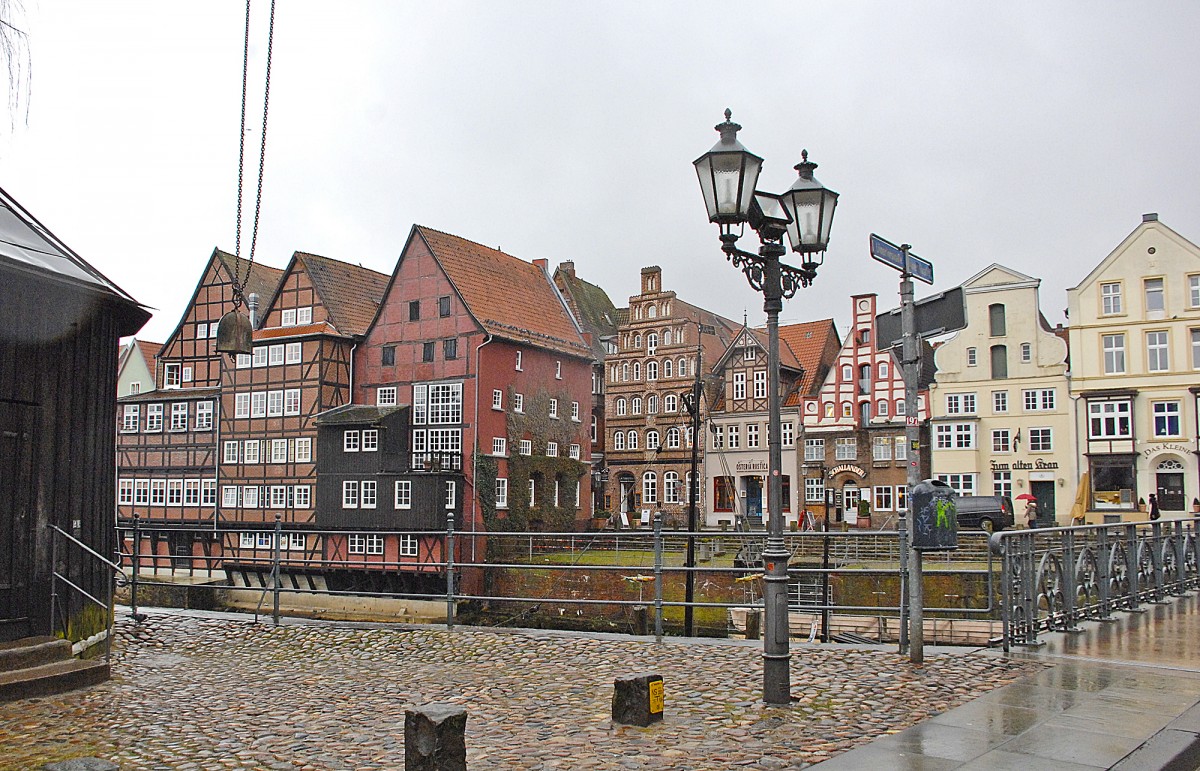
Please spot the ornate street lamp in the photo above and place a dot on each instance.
(728, 174)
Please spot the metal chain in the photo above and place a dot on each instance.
(239, 282)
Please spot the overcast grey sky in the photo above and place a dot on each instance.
(1030, 134)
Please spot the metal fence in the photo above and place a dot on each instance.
(842, 573)
(1056, 577)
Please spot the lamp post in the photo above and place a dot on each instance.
(728, 175)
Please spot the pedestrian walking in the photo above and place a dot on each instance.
(1154, 512)
(1031, 514)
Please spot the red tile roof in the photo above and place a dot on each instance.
(810, 344)
(350, 293)
(511, 298)
(148, 351)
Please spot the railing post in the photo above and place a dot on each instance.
(1028, 587)
(1132, 566)
(658, 577)
(1156, 560)
(1070, 590)
(1103, 574)
(1179, 543)
(135, 558)
(450, 568)
(1195, 581)
(277, 584)
(54, 579)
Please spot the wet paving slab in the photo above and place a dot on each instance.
(1113, 691)
(208, 691)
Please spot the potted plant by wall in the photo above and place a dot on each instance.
(864, 513)
(600, 519)
(1196, 505)
(1141, 504)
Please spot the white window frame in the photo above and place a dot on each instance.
(499, 446)
(385, 396)
(501, 493)
(402, 498)
(204, 416)
(232, 447)
(304, 449)
(368, 491)
(350, 494)
(294, 353)
(351, 440)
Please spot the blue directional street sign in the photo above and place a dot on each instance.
(888, 253)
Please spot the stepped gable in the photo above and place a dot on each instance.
(351, 294)
(510, 298)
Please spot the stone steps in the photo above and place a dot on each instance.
(42, 666)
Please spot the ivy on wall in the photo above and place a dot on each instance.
(535, 425)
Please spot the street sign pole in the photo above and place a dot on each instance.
(912, 369)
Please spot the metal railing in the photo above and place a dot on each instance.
(1053, 578)
(105, 604)
(609, 571)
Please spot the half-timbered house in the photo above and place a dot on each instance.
(737, 459)
(167, 456)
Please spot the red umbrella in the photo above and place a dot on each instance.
(1026, 497)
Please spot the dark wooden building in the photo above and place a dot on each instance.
(370, 481)
(60, 328)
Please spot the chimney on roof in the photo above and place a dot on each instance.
(567, 267)
(651, 279)
(252, 307)
(1150, 217)
(543, 264)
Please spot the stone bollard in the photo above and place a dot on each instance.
(753, 624)
(434, 738)
(638, 700)
(641, 620)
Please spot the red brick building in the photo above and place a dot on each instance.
(498, 374)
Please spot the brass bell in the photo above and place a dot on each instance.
(234, 334)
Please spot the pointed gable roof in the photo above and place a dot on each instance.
(1149, 222)
(351, 294)
(261, 280)
(815, 346)
(510, 298)
(591, 305)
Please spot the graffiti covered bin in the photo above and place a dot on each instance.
(935, 516)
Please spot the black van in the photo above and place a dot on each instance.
(986, 512)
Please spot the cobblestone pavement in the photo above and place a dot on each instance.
(217, 693)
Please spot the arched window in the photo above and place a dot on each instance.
(671, 487)
(670, 404)
(691, 487)
(996, 320)
(883, 370)
(864, 412)
(687, 436)
(847, 373)
(666, 337)
(652, 404)
(637, 405)
(999, 361)
(679, 336)
(621, 405)
(595, 424)
(673, 438)
(633, 439)
(1026, 352)
(651, 343)
(638, 311)
(652, 370)
(637, 340)
(652, 311)
(652, 440)
(668, 366)
(864, 379)
(619, 440)
(682, 369)
(649, 487)
(637, 371)
(900, 407)
(829, 409)
(624, 371)
(881, 408)
(847, 410)
(666, 309)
